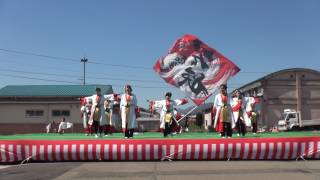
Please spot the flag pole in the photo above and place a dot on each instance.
(185, 114)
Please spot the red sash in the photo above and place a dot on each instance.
(128, 98)
(224, 99)
(237, 107)
(168, 104)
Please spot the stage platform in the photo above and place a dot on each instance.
(153, 147)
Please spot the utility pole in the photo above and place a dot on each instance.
(84, 60)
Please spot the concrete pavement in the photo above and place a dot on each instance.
(184, 170)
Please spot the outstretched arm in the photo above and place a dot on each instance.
(109, 97)
(248, 103)
(89, 98)
(156, 104)
(179, 102)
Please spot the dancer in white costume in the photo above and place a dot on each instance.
(98, 117)
(223, 122)
(237, 105)
(111, 106)
(166, 106)
(248, 103)
(128, 105)
(108, 105)
(86, 113)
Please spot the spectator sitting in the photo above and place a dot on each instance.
(64, 125)
(51, 127)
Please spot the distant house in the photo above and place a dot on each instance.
(204, 109)
(148, 121)
(296, 88)
(27, 109)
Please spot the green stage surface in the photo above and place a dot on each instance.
(154, 135)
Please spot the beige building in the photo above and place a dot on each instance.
(295, 88)
(27, 109)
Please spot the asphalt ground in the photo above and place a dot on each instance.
(184, 170)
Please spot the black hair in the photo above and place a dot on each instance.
(168, 94)
(98, 89)
(235, 92)
(128, 86)
(223, 86)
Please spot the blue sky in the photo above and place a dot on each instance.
(260, 36)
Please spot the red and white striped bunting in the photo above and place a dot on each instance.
(175, 149)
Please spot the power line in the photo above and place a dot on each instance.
(88, 77)
(120, 79)
(149, 87)
(68, 70)
(138, 86)
(38, 73)
(98, 63)
(121, 65)
(115, 85)
(73, 59)
(39, 55)
(128, 80)
(70, 82)
(76, 72)
(35, 78)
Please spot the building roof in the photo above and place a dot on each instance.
(53, 90)
(257, 83)
(205, 107)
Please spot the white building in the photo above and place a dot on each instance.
(28, 109)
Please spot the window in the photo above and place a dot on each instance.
(34, 113)
(60, 113)
(292, 116)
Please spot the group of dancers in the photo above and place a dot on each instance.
(235, 112)
(100, 111)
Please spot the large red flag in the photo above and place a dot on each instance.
(195, 68)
